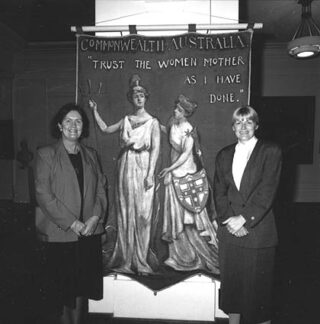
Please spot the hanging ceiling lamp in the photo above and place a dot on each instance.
(306, 40)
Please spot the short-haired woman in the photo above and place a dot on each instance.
(245, 184)
(70, 191)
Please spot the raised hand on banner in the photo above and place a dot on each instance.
(92, 104)
(101, 123)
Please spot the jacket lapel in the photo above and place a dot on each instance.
(66, 164)
(86, 166)
(229, 162)
(249, 171)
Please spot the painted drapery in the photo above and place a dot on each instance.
(212, 70)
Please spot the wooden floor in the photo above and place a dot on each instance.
(297, 285)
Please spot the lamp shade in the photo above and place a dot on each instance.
(304, 47)
(306, 40)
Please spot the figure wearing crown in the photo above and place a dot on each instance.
(135, 182)
(187, 228)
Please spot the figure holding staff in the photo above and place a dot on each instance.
(135, 181)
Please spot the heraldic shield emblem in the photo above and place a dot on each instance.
(192, 190)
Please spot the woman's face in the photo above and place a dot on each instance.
(139, 99)
(244, 128)
(71, 126)
(179, 112)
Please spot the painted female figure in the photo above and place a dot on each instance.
(135, 182)
(191, 234)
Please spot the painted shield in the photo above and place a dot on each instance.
(192, 190)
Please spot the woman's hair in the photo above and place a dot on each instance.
(62, 113)
(185, 103)
(246, 111)
(135, 86)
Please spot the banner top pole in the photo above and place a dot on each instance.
(182, 27)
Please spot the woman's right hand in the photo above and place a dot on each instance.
(166, 174)
(241, 232)
(77, 227)
(163, 172)
(92, 104)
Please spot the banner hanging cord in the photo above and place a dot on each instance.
(77, 70)
(186, 11)
(234, 24)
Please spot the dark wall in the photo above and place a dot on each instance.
(44, 80)
(10, 44)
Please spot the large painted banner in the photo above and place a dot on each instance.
(160, 109)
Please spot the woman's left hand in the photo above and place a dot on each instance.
(90, 226)
(167, 179)
(148, 182)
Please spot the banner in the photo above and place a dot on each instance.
(146, 240)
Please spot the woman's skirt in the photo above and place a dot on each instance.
(246, 281)
(71, 270)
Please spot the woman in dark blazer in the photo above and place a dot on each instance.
(70, 191)
(245, 184)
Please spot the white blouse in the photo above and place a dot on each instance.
(241, 157)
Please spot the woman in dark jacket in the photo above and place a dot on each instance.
(70, 191)
(245, 184)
